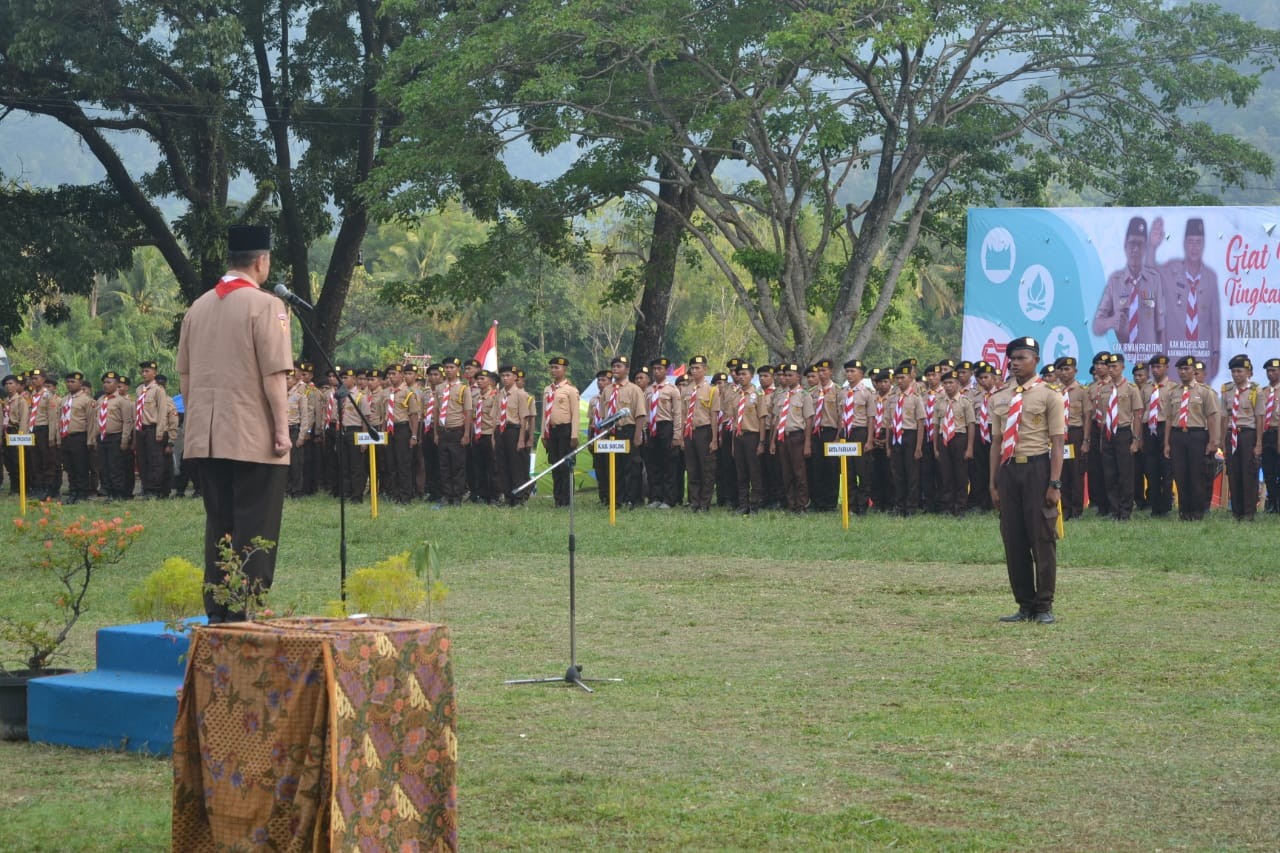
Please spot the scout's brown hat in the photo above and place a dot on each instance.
(789, 368)
(151, 364)
(1158, 359)
(698, 359)
(34, 373)
(950, 374)
(375, 373)
(1026, 343)
(558, 360)
(248, 238)
(947, 362)
(1270, 363)
(746, 365)
(519, 373)
(307, 366)
(965, 365)
(823, 362)
(1113, 358)
(453, 359)
(471, 362)
(982, 368)
(766, 368)
(902, 371)
(1199, 364)
(1137, 228)
(813, 368)
(1241, 360)
(879, 373)
(907, 362)
(733, 363)
(75, 374)
(1186, 361)
(720, 377)
(1048, 370)
(393, 368)
(1065, 361)
(660, 362)
(1099, 358)
(620, 359)
(291, 372)
(344, 372)
(1195, 227)
(507, 368)
(856, 364)
(1139, 365)
(603, 374)
(411, 368)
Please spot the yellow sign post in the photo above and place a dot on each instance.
(613, 448)
(21, 441)
(843, 449)
(363, 439)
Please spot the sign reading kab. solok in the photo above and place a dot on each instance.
(1200, 281)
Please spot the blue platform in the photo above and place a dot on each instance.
(129, 702)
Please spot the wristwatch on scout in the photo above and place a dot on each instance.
(1055, 484)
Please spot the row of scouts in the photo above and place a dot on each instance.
(103, 442)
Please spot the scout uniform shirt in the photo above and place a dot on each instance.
(300, 408)
(704, 407)
(113, 416)
(961, 410)
(169, 427)
(1122, 289)
(746, 409)
(453, 401)
(1040, 421)
(402, 404)
(859, 403)
(1077, 404)
(515, 408)
(629, 396)
(912, 411)
(17, 410)
(356, 402)
(1202, 406)
(76, 414)
(798, 412)
(485, 413)
(151, 400)
(560, 404)
(826, 404)
(378, 407)
(1129, 407)
(1248, 412)
(666, 404)
(1152, 393)
(45, 408)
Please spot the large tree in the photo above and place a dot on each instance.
(854, 127)
(282, 92)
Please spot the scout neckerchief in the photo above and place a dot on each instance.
(1113, 410)
(1270, 410)
(1133, 308)
(1184, 407)
(984, 417)
(103, 407)
(36, 400)
(846, 414)
(502, 411)
(693, 406)
(818, 404)
(1235, 419)
(879, 414)
(653, 409)
(64, 419)
(1193, 320)
(429, 411)
(898, 428)
(949, 421)
(1066, 407)
(444, 405)
(928, 415)
(391, 413)
(477, 412)
(742, 411)
(785, 415)
(138, 407)
(329, 409)
(1153, 409)
(230, 282)
(1010, 440)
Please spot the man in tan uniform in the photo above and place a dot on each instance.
(1241, 432)
(73, 434)
(1026, 481)
(149, 440)
(233, 354)
(1121, 405)
(790, 437)
(953, 438)
(1191, 415)
(560, 426)
(1132, 303)
(625, 394)
(42, 422)
(747, 410)
(665, 442)
(300, 412)
(513, 437)
(701, 438)
(1076, 409)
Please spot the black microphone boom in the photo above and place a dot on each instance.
(294, 299)
(613, 419)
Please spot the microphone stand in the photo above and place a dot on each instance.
(340, 395)
(572, 675)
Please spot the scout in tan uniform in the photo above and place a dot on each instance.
(857, 402)
(1075, 404)
(299, 432)
(953, 437)
(625, 394)
(984, 441)
(73, 434)
(881, 487)
(42, 421)
(402, 411)
(168, 428)
(747, 410)
(1242, 437)
(114, 428)
(775, 496)
(482, 449)
(596, 412)
(1154, 466)
(790, 438)
(1270, 404)
(454, 414)
(233, 354)
(726, 472)
(311, 472)
(824, 471)
(1191, 412)
(353, 470)
(1132, 304)
(701, 439)
(149, 441)
(560, 426)
(1026, 481)
(1121, 405)
(15, 421)
(1098, 389)
(513, 437)
(665, 443)
(930, 479)
(906, 442)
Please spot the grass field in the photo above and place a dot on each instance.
(787, 685)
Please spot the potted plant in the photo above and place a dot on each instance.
(68, 552)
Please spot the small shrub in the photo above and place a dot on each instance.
(387, 588)
(173, 591)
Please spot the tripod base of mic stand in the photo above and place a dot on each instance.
(572, 675)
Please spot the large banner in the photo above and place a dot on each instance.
(1178, 280)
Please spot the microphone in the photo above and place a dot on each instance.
(613, 419)
(292, 298)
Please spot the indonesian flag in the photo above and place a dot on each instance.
(487, 355)
(678, 372)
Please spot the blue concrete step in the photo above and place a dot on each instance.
(129, 702)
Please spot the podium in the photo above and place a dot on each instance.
(317, 734)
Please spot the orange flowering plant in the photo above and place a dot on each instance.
(70, 551)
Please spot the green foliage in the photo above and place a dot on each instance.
(238, 592)
(396, 586)
(171, 592)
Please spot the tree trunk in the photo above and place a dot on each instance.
(660, 270)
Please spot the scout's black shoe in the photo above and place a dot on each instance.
(1020, 616)
(1045, 618)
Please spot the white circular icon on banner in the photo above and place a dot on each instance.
(998, 255)
(1035, 293)
(1059, 342)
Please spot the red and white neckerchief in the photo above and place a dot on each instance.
(597, 414)
(1009, 442)
(1270, 410)
(1193, 299)
(613, 401)
(898, 428)
(1113, 411)
(742, 412)
(477, 412)
(819, 403)
(547, 399)
(846, 413)
(1066, 407)
(444, 406)
(693, 407)
(230, 282)
(36, 400)
(103, 408)
(330, 409)
(5, 424)
(949, 422)
(1235, 419)
(502, 412)
(391, 413)
(64, 418)
(138, 407)
(653, 409)
(879, 423)
(1184, 407)
(984, 418)
(785, 415)
(1153, 410)
(429, 411)
(929, 404)
(1133, 309)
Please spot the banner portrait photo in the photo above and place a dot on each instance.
(1143, 281)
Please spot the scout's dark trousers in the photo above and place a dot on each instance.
(482, 456)
(953, 471)
(661, 457)
(906, 474)
(824, 471)
(243, 500)
(859, 473)
(152, 467)
(1098, 497)
(399, 463)
(1117, 471)
(629, 468)
(795, 477)
(980, 475)
(1186, 458)
(113, 464)
(42, 466)
(1157, 470)
(747, 461)
(1242, 474)
(700, 463)
(1271, 467)
(453, 464)
(1028, 529)
(511, 464)
(559, 441)
(297, 463)
(354, 474)
(1073, 476)
(75, 458)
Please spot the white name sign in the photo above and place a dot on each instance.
(842, 448)
(15, 439)
(363, 438)
(613, 446)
